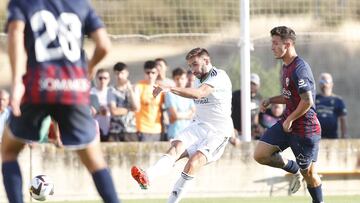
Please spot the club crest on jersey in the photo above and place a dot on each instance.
(287, 81)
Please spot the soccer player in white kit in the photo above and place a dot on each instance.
(204, 140)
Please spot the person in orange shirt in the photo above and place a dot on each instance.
(148, 118)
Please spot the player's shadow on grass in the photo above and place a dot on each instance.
(277, 184)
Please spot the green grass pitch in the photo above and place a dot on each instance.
(297, 199)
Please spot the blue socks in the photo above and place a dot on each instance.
(12, 181)
(105, 186)
(291, 167)
(316, 194)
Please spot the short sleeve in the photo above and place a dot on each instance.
(92, 22)
(302, 79)
(94, 101)
(168, 100)
(14, 13)
(112, 96)
(213, 78)
(341, 108)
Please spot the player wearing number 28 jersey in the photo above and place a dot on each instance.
(46, 38)
(55, 32)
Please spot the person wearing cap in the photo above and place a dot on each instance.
(123, 105)
(256, 99)
(331, 109)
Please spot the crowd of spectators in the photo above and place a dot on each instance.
(128, 112)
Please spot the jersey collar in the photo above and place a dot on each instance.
(206, 76)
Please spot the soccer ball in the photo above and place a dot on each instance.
(40, 187)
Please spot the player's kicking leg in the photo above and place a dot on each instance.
(161, 167)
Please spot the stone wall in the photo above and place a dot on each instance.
(236, 174)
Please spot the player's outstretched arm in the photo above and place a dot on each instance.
(17, 57)
(102, 47)
(193, 93)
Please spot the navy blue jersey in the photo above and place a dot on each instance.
(329, 109)
(54, 33)
(297, 78)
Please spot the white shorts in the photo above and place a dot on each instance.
(200, 137)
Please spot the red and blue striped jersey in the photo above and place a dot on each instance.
(56, 69)
(297, 78)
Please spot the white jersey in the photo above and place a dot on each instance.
(215, 109)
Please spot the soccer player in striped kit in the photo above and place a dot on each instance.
(299, 128)
(46, 37)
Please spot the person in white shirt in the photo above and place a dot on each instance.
(204, 140)
(101, 93)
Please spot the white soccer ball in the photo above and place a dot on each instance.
(41, 187)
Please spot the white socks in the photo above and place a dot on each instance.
(179, 188)
(160, 168)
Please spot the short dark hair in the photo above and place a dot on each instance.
(178, 72)
(197, 52)
(284, 33)
(157, 60)
(119, 66)
(149, 65)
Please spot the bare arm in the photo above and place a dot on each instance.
(272, 100)
(16, 50)
(343, 127)
(102, 47)
(134, 104)
(277, 100)
(192, 93)
(17, 58)
(117, 111)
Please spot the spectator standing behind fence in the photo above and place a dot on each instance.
(4, 110)
(148, 118)
(180, 109)
(256, 98)
(330, 109)
(123, 106)
(190, 79)
(162, 68)
(102, 93)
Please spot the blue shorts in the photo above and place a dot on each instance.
(77, 127)
(305, 148)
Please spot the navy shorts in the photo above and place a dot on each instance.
(305, 148)
(77, 127)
